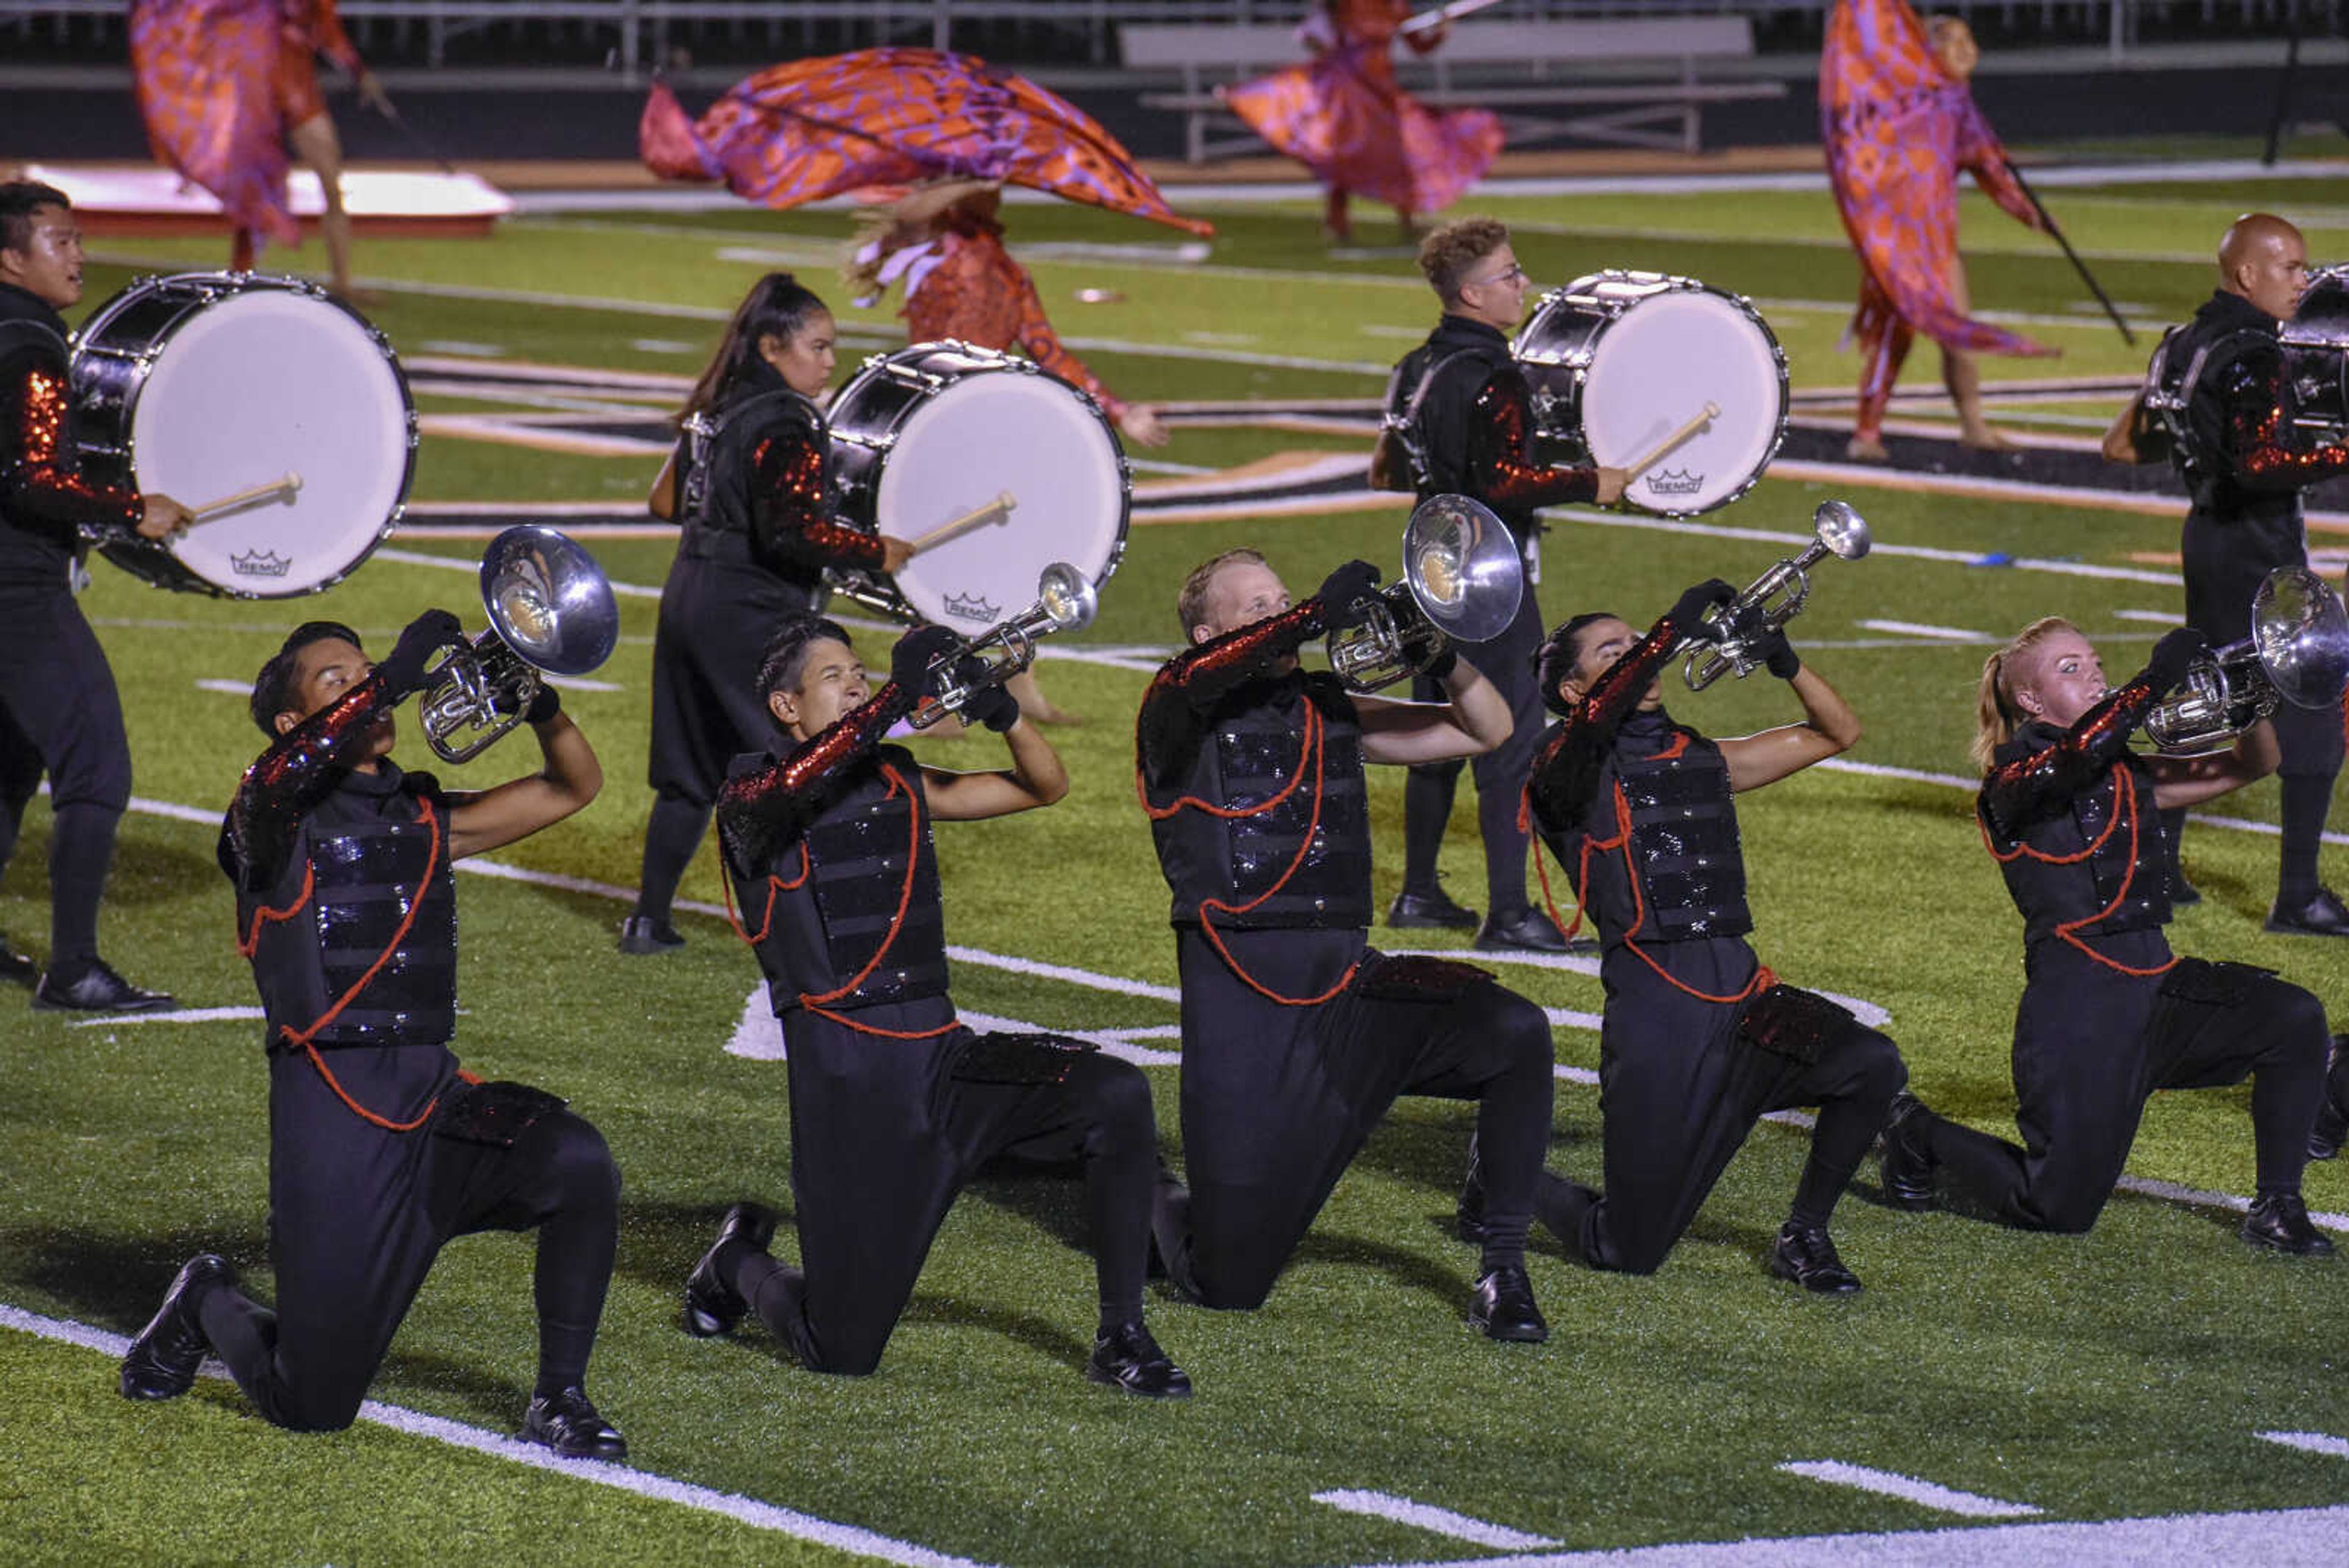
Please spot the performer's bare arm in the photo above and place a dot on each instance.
(1036, 778)
(2190, 781)
(1475, 720)
(520, 807)
(2124, 441)
(1828, 727)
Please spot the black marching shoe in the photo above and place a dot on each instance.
(1502, 1307)
(15, 969)
(1468, 1218)
(161, 1362)
(2279, 1221)
(99, 990)
(1807, 1255)
(1529, 930)
(712, 1306)
(568, 1424)
(1428, 911)
(1127, 1357)
(2320, 914)
(1908, 1163)
(2183, 895)
(642, 934)
(2332, 1128)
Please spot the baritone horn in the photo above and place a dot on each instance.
(551, 613)
(1462, 580)
(1065, 601)
(2298, 651)
(1776, 598)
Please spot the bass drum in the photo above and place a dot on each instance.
(2316, 355)
(931, 433)
(1616, 361)
(201, 386)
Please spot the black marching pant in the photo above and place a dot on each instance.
(886, 1132)
(2092, 1045)
(1679, 1090)
(1277, 1101)
(358, 1216)
(59, 713)
(1507, 661)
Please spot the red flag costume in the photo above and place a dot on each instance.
(1343, 115)
(815, 128)
(206, 74)
(1899, 130)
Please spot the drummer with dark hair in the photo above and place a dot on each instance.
(1468, 429)
(58, 710)
(750, 483)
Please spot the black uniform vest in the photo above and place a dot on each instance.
(2183, 388)
(1684, 848)
(1251, 751)
(2052, 885)
(380, 896)
(837, 890)
(714, 458)
(32, 334)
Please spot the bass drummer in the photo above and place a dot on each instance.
(1467, 429)
(58, 710)
(750, 482)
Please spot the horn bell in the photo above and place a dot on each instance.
(548, 600)
(2302, 635)
(1839, 527)
(1463, 567)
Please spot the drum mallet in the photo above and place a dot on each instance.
(285, 483)
(1666, 447)
(994, 511)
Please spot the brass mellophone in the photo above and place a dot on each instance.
(1461, 578)
(551, 612)
(2298, 652)
(1065, 601)
(1734, 631)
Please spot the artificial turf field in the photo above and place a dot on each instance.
(2125, 1375)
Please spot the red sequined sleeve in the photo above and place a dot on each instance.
(289, 778)
(2031, 789)
(2258, 437)
(1981, 154)
(1566, 771)
(38, 485)
(791, 509)
(1498, 468)
(760, 813)
(1193, 681)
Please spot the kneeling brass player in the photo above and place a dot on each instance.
(895, 1105)
(381, 1149)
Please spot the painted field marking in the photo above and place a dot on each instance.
(2157, 618)
(227, 688)
(451, 563)
(743, 1509)
(175, 1015)
(1958, 781)
(1922, 629)
(1923, 1493)
(1425, 1516)
(759, 1035)
(2310, 1443)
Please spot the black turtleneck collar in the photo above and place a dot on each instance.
(23, 305)
(1459, 332)
(2233, 313)
(1653, 726)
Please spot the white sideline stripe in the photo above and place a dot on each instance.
(2159, 617)
(1921, 629)
(176, 1015)
(2175, 1192)
(226, 687)
(1425, 1516)
(2312, 1443)
(1924, 1493)
(620, 1477)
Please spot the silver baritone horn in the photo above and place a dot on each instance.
(1776, 598)
(1065, 601)
(551, 613)
(2298, 651)
(1461, 578)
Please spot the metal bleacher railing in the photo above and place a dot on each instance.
(637, 34)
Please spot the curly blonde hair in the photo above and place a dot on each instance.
(1450, 254)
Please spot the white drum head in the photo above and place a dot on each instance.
(981, 435)
(1655, 368)
(251, 386)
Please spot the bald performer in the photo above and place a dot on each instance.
(2217, 402)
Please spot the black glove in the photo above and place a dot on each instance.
(2173, 656)
(1439, 668)
(911, 660)
(1342, 589)
(995, 707)
(428, 634)
(1687, 614)
(1778, 655)
(546, 705)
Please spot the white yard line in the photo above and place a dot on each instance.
(742, 1509)
(1437, 1521)
(2312, 1443)
(1908, 1488)
(1919, 628)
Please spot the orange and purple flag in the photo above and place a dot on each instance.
(204, 71)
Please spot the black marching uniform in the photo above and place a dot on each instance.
(2219, 386)
(381, 1149)
(754, 501)
(58, 708)
(2108, 1014)
(1699, 1041)
(894, 1106)
(1470, 424)
(1297, 1036)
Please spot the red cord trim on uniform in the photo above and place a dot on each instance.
(1762, 978)
(2124, 804)
(250, 941)
(774, 884)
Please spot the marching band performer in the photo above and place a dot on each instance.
(381, 1149)
(750, 485)
(1296, 1036)
(2108, 1014)
(1699, 1040)
(894, 1104)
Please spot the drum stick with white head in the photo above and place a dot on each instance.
(994, 511)
(284, 484)
(1670, 443)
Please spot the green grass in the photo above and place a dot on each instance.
(2117, 1374)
